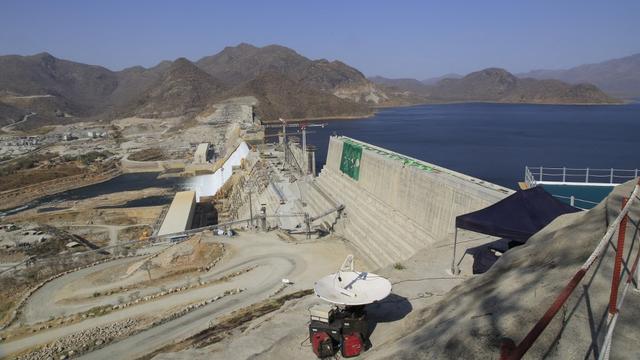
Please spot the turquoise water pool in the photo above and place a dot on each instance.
(586, 196)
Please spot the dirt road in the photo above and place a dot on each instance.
(270, 258)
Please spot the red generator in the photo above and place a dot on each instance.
(324, 337)
(352, 345)
(322, 345)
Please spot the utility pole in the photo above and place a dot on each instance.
(284, 138)
(250, 209)
(284, 130)
(305, 156)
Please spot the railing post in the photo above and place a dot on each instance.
(454, 268)
(564, 174)
(617, 265)
(587, 176)
(636, 175)
(573, 200)
(638, 278)
(611, 181)
(540, 173)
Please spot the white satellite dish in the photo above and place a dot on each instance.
(350, 288)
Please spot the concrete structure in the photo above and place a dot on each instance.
(305, 161)
(394, 205)
(201, 154)
(208, 185)
(180, 214)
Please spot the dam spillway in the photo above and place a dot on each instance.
(208, 185)
(394, 205)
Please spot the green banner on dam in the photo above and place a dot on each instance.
(350, 162)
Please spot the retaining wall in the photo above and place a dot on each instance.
(394, 205)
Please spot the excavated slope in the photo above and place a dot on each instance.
(506, 301)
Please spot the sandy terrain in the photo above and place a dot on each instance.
(263, 258)
(420, 282)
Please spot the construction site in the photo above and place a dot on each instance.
(228, 263)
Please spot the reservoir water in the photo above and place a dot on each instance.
(495, 142)
(125, 182)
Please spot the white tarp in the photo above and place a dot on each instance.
(208, 185)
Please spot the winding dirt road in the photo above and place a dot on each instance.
(270, 259)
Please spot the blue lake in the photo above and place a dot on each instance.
(125, 182)
(495, 142)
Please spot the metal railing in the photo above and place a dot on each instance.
(576, 202)
(511, 351)
(534, 175)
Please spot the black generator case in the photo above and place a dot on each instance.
(333, 329)
(355, 321)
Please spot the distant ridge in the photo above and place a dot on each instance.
(407, 84)
(434, 80)
(617, 77)
(499, 85)
(286, 84)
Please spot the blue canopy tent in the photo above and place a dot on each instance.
(516, 217)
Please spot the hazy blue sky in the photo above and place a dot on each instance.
(391, 38)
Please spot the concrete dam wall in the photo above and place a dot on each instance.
(394, 205)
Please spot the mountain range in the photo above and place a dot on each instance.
(285, 83)
(617, 77)
(499, 85)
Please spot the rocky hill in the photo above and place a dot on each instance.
(498, 85)
(52, 84)
(617, 77)
(471, 320)
(286, 83)
(406, 84)
(238, 64)
(181, 89)
(10, 114)
(435, 80)
(282, 96)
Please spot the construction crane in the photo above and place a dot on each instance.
(287, 134)
(300, 125)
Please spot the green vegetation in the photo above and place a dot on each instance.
(152, 154)
(399, 266)
(89, 157)
(92, 156)
(24, 163)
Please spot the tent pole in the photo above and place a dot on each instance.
(453, 260)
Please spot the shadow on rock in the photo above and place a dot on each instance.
(392, 308)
